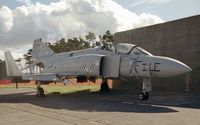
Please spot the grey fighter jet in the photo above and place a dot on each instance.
(122, 61)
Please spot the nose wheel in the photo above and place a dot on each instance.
(143, 96)
(146, 87)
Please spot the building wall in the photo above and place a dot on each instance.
(179, 39)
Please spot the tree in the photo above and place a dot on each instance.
(29, 60)
(70, 45)
(59, 46)
(107, 39)
(28, 57)
(84, 43)
(91, 37)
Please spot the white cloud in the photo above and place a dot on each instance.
(65, 18)
(6, 19)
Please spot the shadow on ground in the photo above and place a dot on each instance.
(99, 102)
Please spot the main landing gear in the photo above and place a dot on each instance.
(104, 86)
(146, 87)
(40, 90)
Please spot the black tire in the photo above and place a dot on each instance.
(146, 96)
(141, 96)
(104, 87)
(40, 92)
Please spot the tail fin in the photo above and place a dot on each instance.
(40, 49)
(11, 67)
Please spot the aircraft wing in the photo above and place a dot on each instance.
(41, 77)
(56, 77)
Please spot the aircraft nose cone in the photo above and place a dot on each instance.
(180, 68)
(171, 67)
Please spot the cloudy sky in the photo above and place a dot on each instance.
(22, 21)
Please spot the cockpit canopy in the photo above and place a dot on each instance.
(124, 47)
(132, 49)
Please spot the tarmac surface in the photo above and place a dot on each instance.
(21, 107)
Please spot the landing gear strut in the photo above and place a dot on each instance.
(146, 87)
(104, 86)
(40, 90)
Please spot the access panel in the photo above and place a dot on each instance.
(110, 66)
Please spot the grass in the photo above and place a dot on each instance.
(58, 89)
(70, 89)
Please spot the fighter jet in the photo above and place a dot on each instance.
(122, 61)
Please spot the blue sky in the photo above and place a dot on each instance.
(12, 4)
(23, 21)
(166, 9)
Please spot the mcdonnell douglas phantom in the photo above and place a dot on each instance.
(122, 61)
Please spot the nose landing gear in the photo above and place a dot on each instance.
(146, 87)
(143, 96)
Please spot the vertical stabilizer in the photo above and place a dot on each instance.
(11, 67)
(40, 49)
